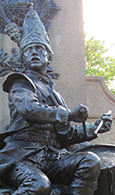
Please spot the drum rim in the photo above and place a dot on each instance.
(97, 146)
(111, 146)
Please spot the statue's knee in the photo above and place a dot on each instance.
(41, 183)
(93, 159)
(93, 163)
(36, 182)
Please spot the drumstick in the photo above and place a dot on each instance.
(101, 123)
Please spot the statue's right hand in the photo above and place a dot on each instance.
(79, 113)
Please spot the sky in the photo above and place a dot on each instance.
(99, 21)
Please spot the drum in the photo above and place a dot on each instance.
(106, 180)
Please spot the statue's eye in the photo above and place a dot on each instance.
(38, 48)
(30, 49)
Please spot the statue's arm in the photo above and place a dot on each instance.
(76, 134)
(86, 131)
(27, 104)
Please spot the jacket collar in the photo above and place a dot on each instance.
(36, 76)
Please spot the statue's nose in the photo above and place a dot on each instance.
(34, 51)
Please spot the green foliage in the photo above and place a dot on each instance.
(99, 64)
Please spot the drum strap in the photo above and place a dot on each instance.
(111, 181)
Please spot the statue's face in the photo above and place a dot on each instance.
(35, 57)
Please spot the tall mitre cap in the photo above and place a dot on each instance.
(34, 32)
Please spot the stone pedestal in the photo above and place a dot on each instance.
(6, 44)
(67, 40)
(100, 100)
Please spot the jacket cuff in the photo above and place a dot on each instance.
(90, 131)
(62, 114)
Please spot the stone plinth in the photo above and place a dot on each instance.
(67, 39)
(6, 44)
(99, 101)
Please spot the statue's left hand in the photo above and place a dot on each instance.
(106, 124)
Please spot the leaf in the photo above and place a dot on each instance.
(97, 64)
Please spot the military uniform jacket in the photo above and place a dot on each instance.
(39, 118)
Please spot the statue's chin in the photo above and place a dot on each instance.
(37, 67)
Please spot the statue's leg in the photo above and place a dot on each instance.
(86, 174)
(29, 180)
(79, 171)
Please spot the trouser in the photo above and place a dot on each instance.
(78, 171)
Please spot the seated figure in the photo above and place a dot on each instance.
(35, 158)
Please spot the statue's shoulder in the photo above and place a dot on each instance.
(15, 77)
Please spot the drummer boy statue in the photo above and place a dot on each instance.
(34, 157)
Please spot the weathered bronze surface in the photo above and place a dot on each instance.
(15, 10)
(36, 155)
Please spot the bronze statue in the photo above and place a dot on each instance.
(35, 156)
